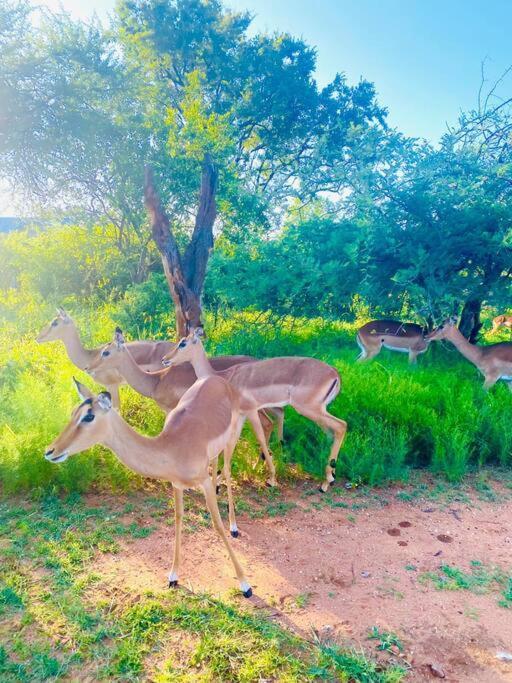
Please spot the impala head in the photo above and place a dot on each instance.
(110, 355)
(185, 349)
(56, 329)
(443, 331)
(87, 426)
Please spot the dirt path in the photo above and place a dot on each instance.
(337, 574)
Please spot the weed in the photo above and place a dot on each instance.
(387, 640)
(480, 579)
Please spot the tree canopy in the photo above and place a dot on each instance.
(312, 193)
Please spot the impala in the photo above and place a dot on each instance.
(166, 387)
(494, 361)
(306, 384)
(391, 334)
(501, 321)
(147, 353)
(205, 422)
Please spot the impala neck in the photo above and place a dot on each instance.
(143, 382)
(201, 364)
(470, 351)
(142, 454)
(74, 348)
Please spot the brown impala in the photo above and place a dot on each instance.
(206, 421)
(391, 334)
(306, 384)
(166, 387)
(494, 361)
(147, 353)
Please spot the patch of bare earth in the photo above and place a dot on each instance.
(326, 571)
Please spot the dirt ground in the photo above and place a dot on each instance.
(334, 574)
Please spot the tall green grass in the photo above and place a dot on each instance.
(435, 415)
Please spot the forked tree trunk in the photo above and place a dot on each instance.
(185, 276)
(470, 324)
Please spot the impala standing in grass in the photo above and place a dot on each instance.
(391, 334)
(166, 387)
(205, 422)
(147, 353)
(494, 361)
(306, 384)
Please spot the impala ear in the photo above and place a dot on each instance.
(197, 333)
(83, 391)
(62, 314)
(105, 401)
(119, 337)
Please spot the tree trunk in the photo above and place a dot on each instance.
(470, 324)
(187, 305)
(185, 276)
(201, 242)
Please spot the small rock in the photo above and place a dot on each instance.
(404, 525)
(365, 574)
(436, 670)
(444, 538)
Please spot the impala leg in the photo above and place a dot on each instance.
(211, 502)
(228, 455)
(215, 474)
(254, 419)
(369, 353)
(413, 355)
(178, 516)
(268, 428)
(490, 381)
(278, 413)
(338, 428)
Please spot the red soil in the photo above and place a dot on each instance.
(337, 574)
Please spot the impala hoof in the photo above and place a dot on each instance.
(331, 483)
(173, 584)
(262, 456)
(247, 593)
(235, 533)
(217, 490)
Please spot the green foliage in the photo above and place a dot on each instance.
(66, 264)
(386, 639)
(480, 579)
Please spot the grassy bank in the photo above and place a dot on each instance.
(435, 415)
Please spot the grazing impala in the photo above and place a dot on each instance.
(166, 387)
(306, 384)
(205, 422)
(147, 353)
(391, 334)
(494, 361)
(501, 321)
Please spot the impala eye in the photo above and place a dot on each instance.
(88, 418)
(55, 323)
(105, 354)
(182, 344)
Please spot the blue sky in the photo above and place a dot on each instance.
(424, 56)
